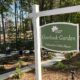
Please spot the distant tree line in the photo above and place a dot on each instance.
(21, 24)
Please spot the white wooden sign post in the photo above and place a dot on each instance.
(37, 42)
(37, 33)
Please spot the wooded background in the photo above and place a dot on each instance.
(16, 29)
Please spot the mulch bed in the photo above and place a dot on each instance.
(11, 63)
(49, 74)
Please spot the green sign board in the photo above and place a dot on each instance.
(60, 36)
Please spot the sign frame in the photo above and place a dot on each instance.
(75, 25)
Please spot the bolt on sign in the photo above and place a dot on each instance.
(60, 36)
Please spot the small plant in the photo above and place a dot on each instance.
(18, 73)
(77, 64)
(60, 65)
(68, 56)
(50, 55)
(33, 70)
(43, 69)
(2, 68)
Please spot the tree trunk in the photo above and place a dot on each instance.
(20, 20)
(41, 3)
(16, 22)
(0, 33)
(51, 6)
(4, 41)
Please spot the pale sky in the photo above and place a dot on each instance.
(12, 15)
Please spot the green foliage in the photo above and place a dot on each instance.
(19, 43)
(78, 64)
(20, 63)
(50, 55)
(2, 68)
(60, 65)
(5, 5)
(68, 56)
(24, 6)
(18, 73)
(18, 70)
(29, 44)
(1, 48)
(43, 69)
(33, 70)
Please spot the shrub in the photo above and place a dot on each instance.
(50, 55)
(60, 65)
(29, 44)
(68, 55)
(2, 68)
(78, 64)
(33, 70)
(20, 62)
(43, 69)
(18, 71)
